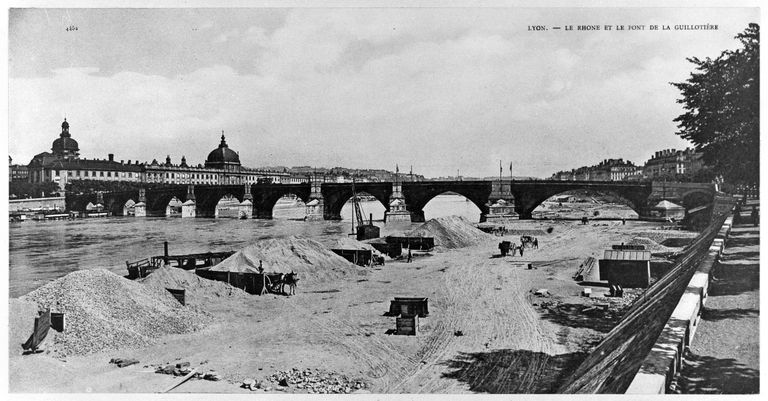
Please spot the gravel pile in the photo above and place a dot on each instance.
(198, 290)
(310, 259)
(316, 381)
(105, 311)
(452, 232)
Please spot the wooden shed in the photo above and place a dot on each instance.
(404, 306)
(627, 268)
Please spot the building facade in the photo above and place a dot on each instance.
(222, 166)
(606, 170)
(17, 172)
(673, 164)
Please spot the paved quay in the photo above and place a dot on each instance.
(724, 357)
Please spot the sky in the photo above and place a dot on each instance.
(445, 90)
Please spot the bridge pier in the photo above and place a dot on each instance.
(397, 206)
(140, 208)
(316, 204)
(246, 206)
(189, 207)
(501, 203)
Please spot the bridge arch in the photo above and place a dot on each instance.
(287, 206)
(695, 198)
(529, 195)
(336, 195)
(157, 203)
(461, 206)
(343, 208)
(266, 196)
(228, 206)
(579, 194)
(114, 202)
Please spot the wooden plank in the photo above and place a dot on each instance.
(39, 332)
(183, 380)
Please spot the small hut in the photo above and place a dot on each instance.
(668, 211)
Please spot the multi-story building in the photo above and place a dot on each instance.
(17, 172)
(64, 165)
(606, 170)
(674, 164)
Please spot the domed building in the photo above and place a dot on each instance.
(64, 146)
(222, 167)
(64, 164)
(223, 157)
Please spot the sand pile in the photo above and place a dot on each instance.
(307, 257)
(198, 290)
(106, 311)
(452, 232)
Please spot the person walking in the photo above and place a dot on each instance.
(410, 257)
(755, 216)
(521, 249)
(536, 243)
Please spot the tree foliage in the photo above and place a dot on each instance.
(18, 189)
(721, 100)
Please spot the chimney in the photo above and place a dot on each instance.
(122, 161)
(111, 157)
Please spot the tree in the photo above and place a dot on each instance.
(721, 100)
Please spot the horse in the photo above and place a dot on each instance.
(290, 280)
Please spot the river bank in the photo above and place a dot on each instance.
(508, 342)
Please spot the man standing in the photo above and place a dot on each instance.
(264, 280)
(409, 255)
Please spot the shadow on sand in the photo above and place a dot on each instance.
(508, 371)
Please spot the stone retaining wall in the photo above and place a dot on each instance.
(665, 359)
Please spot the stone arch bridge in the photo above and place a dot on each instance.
(524, 195)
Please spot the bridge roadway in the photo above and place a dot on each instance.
(525, 195)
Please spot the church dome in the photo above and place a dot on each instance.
(222, 156)
(64, 145)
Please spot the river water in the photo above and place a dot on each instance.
(41, 252)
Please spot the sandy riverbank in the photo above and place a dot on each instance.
(510, 343)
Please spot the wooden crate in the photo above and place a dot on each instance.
(58, 322)
(407, 326)
(178, 294)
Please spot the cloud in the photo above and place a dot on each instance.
(439, 89)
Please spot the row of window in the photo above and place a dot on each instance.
(77, 173)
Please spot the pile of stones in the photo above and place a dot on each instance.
(311, 381)
(184, 368)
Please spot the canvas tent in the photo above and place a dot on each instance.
(668, 210)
